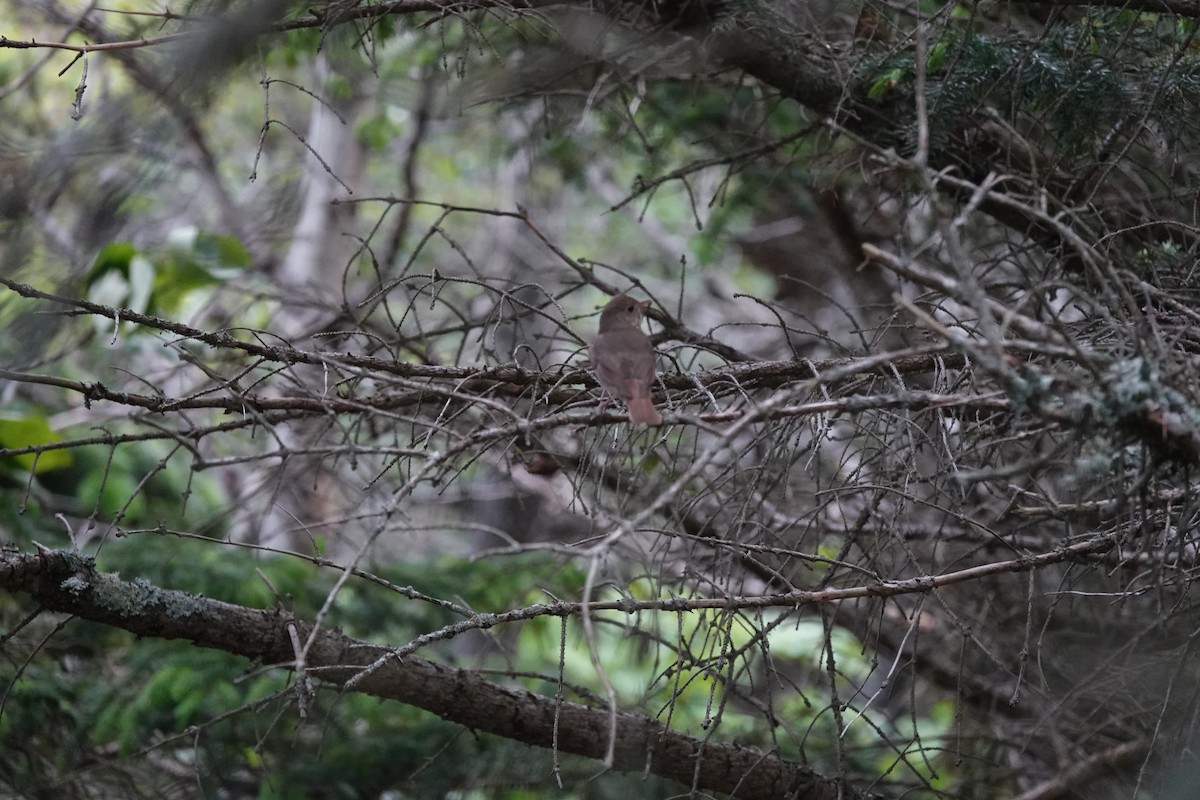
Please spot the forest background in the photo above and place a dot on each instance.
(306, 489)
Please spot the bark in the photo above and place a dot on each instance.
(69, 583)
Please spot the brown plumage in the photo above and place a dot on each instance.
(624, 359)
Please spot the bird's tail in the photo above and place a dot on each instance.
(642, 411)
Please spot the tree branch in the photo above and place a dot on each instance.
(1074, 778)
(69, 583)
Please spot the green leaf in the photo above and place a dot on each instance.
(113, 258)
(377, 132)
(19, 432)
(885, 83)
(195, 260)
(936, 57)
(219, 251)
(121, 277)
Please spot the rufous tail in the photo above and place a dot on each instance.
(642, 411)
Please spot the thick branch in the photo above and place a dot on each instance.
(1079, 773)
(68, 583)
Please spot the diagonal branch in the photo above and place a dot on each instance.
(69, 583)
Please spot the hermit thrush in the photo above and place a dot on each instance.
(623, 358)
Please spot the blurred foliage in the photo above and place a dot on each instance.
(1079, 78)
(232, 722)
(81, 698)
(159, 283)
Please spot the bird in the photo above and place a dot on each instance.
(623, 358)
